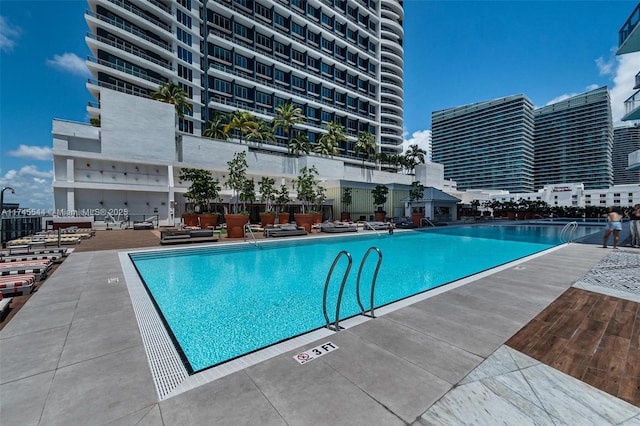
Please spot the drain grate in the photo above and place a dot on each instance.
(166, 367)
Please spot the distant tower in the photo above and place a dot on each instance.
(487, 144)
(625, 141)
(574, 140)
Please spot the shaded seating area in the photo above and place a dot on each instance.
(336, 228)
(286, 230)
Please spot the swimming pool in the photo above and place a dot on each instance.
(222, 302)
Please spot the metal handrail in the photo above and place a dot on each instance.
(368, 225)
(566, 235)
(248, 226)
(336, 324)
(426, 219)
(373, 282)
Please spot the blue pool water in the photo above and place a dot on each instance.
(223, 302)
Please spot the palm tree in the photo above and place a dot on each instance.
(243, 121)
(263, 132)
(366, 145)
(414, 156)
(300, 143)
(215, 128)
(172, 93)
(329, 142)
(288, 116)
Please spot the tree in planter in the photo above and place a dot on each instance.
(318, 201)
(237, 175)
(204, 189)
(172, 93)
(347, 199)
(247, 195)
(416, 193)
(305, 186)
(282, 201)
(268, 192)
(379, 198)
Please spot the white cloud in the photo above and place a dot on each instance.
(606, 67)
(33, 187)
(42, 153)
(69, 62)
(420, 137)
(8, 34)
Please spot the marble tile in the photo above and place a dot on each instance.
(499, 362)
(476, 404)
(521, 360)
(567, 398)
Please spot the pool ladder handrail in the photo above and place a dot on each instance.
(368, 225)
(426, 219)
(566, 235)
(373, 281)
(336, 324)
(248, 226)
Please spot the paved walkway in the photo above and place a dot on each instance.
(73, 355)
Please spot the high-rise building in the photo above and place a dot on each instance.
(626, 139)
(487, 144)
(339, 60)
(573, 141)
(629, 42)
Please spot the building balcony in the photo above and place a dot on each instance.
(629, 34)
(632, 107)
(634, 160)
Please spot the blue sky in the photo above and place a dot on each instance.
(456, 53)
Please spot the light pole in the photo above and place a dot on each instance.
(1, 210)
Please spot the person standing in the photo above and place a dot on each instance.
(615, 226)
(634, 225)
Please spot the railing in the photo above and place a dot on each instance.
(336, 324)
(426, 220)
(130, 29)
(126, 70)
(368, 225)
(373, 281)
(247, 227)
(566, 235)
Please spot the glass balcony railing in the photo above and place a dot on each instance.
(629, 25)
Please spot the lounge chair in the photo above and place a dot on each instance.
(5, 304)
(23, 284)
(376, 226)
(143, 225)
(286, 230)
(336, 228)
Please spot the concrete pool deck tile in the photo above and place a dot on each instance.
(472, 339)
(441, 359)
(231, 400)
(99, 335)
(396, 383)
(148, 416)
(316, 394)
(18, 397)
(25, 355)
(38, 318)
(100, 390)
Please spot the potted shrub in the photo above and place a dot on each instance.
(282, 201)
(347, 199)
(379, 194)
(416, 193)
(236, 181)
(203, 190)
(268, 192)
(305, 186)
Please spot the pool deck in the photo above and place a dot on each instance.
(532, 343)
